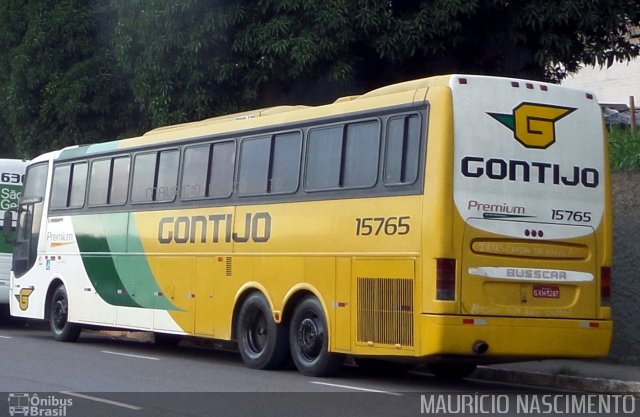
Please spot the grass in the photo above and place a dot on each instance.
(624, 149)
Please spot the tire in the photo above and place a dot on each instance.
(383, 367)
(261, 341)
(61, 328)
(309, 341)
(451, 371)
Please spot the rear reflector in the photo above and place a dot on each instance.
(605, 285)
(446, 279)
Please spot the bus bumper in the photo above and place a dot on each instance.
(514, 337)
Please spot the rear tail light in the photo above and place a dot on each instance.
(605, 285)
(446, 279)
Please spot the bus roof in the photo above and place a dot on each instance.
(396, 94)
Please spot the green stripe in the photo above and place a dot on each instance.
(136, 273)
(114, 259)
(98, 263)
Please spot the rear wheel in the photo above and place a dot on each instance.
(451, 371)
(261, 341)
(61, 328)
(309, 340)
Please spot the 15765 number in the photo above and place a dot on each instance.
(367, 226)
(571, 216)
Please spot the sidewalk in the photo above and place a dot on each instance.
(580, 375)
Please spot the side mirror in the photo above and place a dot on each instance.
(7, 224)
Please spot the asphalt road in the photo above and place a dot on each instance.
(103, 376)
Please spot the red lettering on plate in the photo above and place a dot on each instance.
(546, 291)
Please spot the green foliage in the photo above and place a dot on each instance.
(61, 86)
(624, 149)
(87, 71)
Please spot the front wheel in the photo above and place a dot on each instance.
(61, 328)
(309, 341)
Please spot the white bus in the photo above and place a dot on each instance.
(11, 176)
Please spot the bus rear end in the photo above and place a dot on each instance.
(533, 234)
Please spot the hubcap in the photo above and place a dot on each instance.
(257, 334)
(310, 338)
(60, 314)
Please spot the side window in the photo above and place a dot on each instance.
(155, 176)
(99, 182)
(119, 180)
(69, 185)
(360, 156)
(223, 161)
(78, 184)
(208, 170)
(109, 181)
(60, 187)
(270, 164)
(343, 156)
(402, 155)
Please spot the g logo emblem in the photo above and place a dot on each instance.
(533, 125)
(23, 298)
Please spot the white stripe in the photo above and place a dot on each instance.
(531, 274)
(6, 337)
(131, 356)
(356, 388)
(102, 400)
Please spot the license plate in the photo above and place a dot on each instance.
(546, 291)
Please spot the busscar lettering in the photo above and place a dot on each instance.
(536, 171)
(542, 274)
(214, 228)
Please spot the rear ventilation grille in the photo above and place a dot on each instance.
(385, 311)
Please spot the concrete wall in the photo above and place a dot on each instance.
(626, 268)
(611, 85)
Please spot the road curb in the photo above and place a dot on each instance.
(569, 382)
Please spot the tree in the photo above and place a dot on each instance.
(194, 59)
(62, 87)
(90, 71)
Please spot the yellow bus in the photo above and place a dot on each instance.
(447, 221)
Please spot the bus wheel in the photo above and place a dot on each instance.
(451, 371)
(61, 328)
(261, 341)
(309, 341)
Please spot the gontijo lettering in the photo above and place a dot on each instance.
(540, 172)
(214, 228)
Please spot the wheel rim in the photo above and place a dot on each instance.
(256, 334)
(310, 336)
(59, 314)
